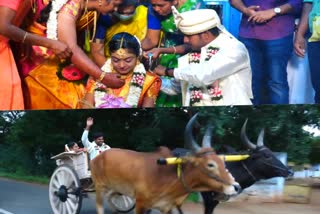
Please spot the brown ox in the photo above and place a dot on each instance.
(137, 175)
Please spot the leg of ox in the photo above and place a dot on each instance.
(99, 201)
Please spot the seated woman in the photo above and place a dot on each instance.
(74, 147)
(141, 87)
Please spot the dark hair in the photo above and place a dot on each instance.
(97, 135)
(44, 13)
(71, 144)
(126, 41)
(214, 31)
(128, 3)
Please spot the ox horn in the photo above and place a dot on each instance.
(244, 137)
(260, 138)
(206, 140)
(189, 140)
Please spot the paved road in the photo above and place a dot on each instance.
(24, 198)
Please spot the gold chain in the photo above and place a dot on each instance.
(33, 6)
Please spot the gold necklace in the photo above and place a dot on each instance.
(33, 6)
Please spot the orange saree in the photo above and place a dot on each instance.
(10, 85)
(45, 89)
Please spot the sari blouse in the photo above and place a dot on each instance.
(72, 7)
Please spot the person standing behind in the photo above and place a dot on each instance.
(266, 29)
(310, 17)
(97, 146)
(53, 84)
(130, 18)
(162, 29)
(10, 84)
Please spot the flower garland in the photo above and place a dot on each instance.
(214, 91)
(67, 71)
(52, 23)
(104, 100)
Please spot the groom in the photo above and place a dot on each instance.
(217, 72)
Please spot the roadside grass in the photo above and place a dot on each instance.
(26, 178)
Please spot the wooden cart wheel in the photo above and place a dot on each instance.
(65, 191)
(120, 203)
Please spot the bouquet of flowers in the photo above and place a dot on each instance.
(110, 101)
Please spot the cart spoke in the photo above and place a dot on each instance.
(60, 207)
(126, 200)
(71, 205)
(64, 208)
(55, 183)
(57, 200)
(67, 181)
(73, 198)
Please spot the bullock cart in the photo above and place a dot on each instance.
(71, 181)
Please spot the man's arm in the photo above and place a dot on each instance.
(152, 37)
(241, 7)
(224, 63)
(151, 40)
(299, 41)
(85, 140)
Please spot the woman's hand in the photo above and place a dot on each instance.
(160, 70)
(112, 80)
(155, 52)
(61, 50)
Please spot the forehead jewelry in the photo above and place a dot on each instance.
(121, 52)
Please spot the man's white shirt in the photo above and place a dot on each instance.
(92, 147)
(231, 66)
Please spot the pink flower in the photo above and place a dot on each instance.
(111, 101)
(100, 87)
(138, 79)
(194, 58)
(72, 73)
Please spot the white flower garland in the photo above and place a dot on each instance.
(136, 84)
(52, 23)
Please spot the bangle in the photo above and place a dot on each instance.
(100, 41)
(174, 49)
(24, 37)
(101, 76)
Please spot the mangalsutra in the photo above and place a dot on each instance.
(33, 6)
